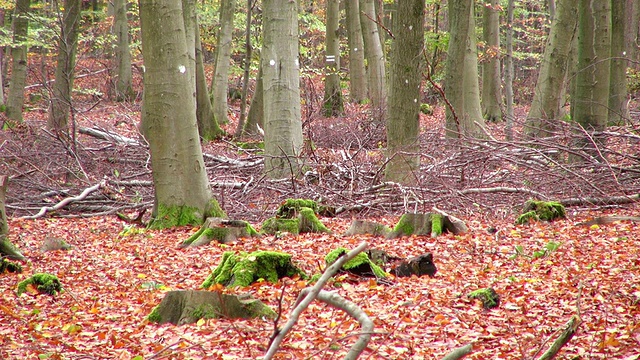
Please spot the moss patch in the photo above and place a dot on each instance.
(43, 282)
(360, 264)
(534, 210)
(172, 216)
(245, 268)
(273, 225)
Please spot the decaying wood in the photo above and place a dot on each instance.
(569, 330)
(419, 265)
(109, 136)
(603, 220)
(459, 353)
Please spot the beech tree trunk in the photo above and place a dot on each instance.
(281, 89)
(376, 73)
(403, 122)
(491, 89)
(220, 82)
(333, 103)
(124, 81)
(182, 192)
(357, 71)
(60, 106)
(618, 108)
(15, 97)
(208, 126)
(549, 94)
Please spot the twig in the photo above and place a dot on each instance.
(304, 301)
(565, 337)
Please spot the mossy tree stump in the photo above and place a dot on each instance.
(432, 224)
(6, 247)
(295, 216)
(189, 306)
(360, 265)
(534, 210)
(419, 265)
(221, 230)
(42, 283)
(364, 227)
(488, 296)
(243, 269)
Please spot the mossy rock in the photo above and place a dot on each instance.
(488, 296)
(243, 269)
(43, 282)
(534, 210)
(360, 265)
(188, 306)
(221, 230)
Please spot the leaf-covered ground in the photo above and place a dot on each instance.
(595, 272)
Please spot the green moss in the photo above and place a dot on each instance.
(436, 224)
(205, 311)
(244, 269)
(309, 222)
(154, 316)
(291, 207)
(273, 225)
(404, 226)
(488, 296)
(214, 210)
(172, 216)
(362, 259)
(45, 283)
(8, 266)
(541, 210)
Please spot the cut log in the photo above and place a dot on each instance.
(188, 306)
(419, 265)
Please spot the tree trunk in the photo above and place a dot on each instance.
(508, 73)
(403, 122)
(60, 107)
(220, 85)
(491, 93)
(6, 247)
(549, 94)
(182, 192)
(591, 97)
(15, 98)
(333, 104)
(208, 126)
(124, 87)
(375, 59)
(255, 118)
(248, 52)
(281, 89)
(357, 72)
(618, 108)
(461, 78)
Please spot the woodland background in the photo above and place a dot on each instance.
(117, 272)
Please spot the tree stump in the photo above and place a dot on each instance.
(221, 230)
(360, 265)
(432, 224)
(363, 227)
(6, 247)
(419, 265)
(244, 269)
(189, 306)
(295, 216)
(534, 210)
(40, 283)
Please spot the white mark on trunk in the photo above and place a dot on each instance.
(182, 69)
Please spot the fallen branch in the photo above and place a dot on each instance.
(459, 353)
(66, 201)
(567, 334)
(108, 135)
(613, 200)
(304, 300)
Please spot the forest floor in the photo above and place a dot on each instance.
(545, 273)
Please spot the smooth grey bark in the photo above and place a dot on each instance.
(508, 73)
(281, 89)
(15, 97)
(403, 122)
(60, 105)
(333, 103)
(491, 86)
(169, 116)
(591, 95)
(357, 71)
(551, 86)
(461, 73)
(248, 52)
(208, 127)
(255, 118)
(618, 102)
(374, 53)
(124, 81)
(220, 82)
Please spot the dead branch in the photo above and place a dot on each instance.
(109, 136)
(304, 300)
(66, 201)
(459, 353)
(569, 330)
